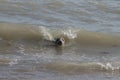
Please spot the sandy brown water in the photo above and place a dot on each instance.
(90, 29)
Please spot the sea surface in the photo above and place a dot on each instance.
(91, 29)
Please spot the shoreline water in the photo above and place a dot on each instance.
(90, 29)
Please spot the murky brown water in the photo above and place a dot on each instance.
(90, 29)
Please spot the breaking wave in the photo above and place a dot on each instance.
(40, 33)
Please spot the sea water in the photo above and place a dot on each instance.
(90, 29)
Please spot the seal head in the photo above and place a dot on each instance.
(59, 41)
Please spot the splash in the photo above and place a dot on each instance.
(45, 32)
(70, 33)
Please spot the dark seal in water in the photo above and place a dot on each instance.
(59, 41)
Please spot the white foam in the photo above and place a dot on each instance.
(45, 33)
(71, 34)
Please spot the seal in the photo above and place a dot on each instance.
(59, 41)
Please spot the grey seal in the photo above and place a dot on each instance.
(59, 41)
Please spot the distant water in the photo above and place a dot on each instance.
(90, 29)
